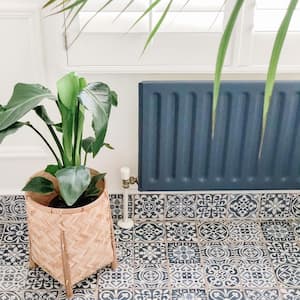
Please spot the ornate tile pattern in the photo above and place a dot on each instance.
(212, 205)
(116, 205)
(243, 205)
(182, 247)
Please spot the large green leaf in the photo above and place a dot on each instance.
(39, 185)
(92, 189)
(73, 181)
(68, 88)
(10, 130)
(221, 56)
(87, 144)
(277, 47)
(97, 98)
(24, 98)
(42, 113)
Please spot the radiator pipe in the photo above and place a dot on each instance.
(126, 222)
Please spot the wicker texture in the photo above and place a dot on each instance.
(71, 244)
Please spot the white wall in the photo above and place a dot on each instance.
(32, 51)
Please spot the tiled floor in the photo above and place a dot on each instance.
(204, 246)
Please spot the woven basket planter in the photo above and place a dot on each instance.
(70, 244)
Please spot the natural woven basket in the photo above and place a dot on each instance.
(70, 244)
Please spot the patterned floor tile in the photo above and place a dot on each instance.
(290, 294)
(149, 206)
(295, 208)
(15, 233)
(115, 294)
(145, 294)
(116, 205)
(185, 276)
(149, 232)
(13, 254)
(284, 253)
(277, 230)
(41, 295)
(88, 283)
(296, 229)
(262, 294)
(181, 231)
(122, 278)
(11, 296)
(12, 278)
(288, 275)
(80, 294)
(258, 274)
(125, 253)
(145, 253)
(216, 250)
(12, 208)
(243, 205)
(228, 294)
(123, 235)
(151, 276)
(213, 231)
(189, 294)
(212, 205)
(244, 230)
(185, 253)
(221, 273)
(181, 206)
(275, 205)
(250, 251)
(37, 279)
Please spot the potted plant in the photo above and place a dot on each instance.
(69, 219)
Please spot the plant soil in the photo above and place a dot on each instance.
(58, 202)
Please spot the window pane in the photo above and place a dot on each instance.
(191, 5)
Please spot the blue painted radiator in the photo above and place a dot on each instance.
(176, 151)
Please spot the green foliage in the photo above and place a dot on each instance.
(73, 181)
(75, 95)
(92, 190)
(39, 185)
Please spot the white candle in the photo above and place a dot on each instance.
(125, 173)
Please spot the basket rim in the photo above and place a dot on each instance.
(66, 211)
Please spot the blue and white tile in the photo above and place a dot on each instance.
(212, 205)
(181, 231)
(258, 274)
(260, 294)
(151, 276)
(10, 295)
(181, 206)
(13, 278)
(243, 205)
(213, 231)
(37, 279)
(275, 205)
(296, 229)
(115, 294)
(288, 275)
(216, 251)
(290, 294)
(149, 206)
(284, 252)
(244, 231)
(189, 294)
(250, 251)
(88, 283)
(116, 205)
(295, 208)
(277, 230)
(185, 276)
(13, 254)
(145, 253)
(183, 253)
(41, 295)
(15, 233)
(149, 231)
(220, 274)
(80, 294)
(12, 208)
(121, 278)
(153, 294)
(125, 253)
(228, 294)
(123, 235)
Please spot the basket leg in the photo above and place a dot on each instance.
(114, 263)
(69, 292)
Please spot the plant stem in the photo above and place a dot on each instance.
(48, 145)
(76, 126)
(59, 146)
(85, 158)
